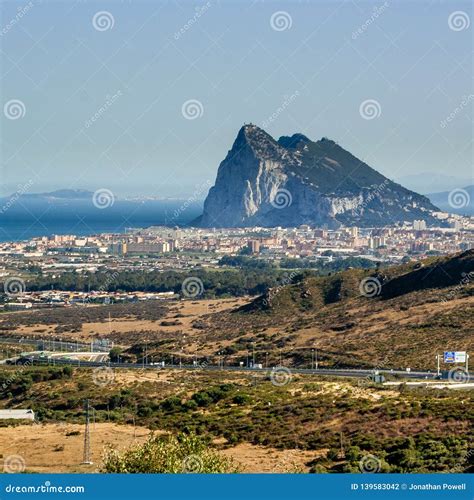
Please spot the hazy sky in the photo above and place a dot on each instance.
(305, 63)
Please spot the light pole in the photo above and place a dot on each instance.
(312, 358)
(253, 354)
(316, 358)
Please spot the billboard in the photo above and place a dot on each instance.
(460, 357)
(455, 357)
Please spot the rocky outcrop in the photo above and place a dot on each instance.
(294, 181)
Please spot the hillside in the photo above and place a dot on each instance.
(394, 318)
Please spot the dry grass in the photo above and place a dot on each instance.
(48, 448)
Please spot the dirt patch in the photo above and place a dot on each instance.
(59, 447)
(254, 458)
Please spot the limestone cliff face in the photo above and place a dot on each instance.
(293, 181)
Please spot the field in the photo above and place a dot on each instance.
(303, 423)
(307, 424)
(412, 319)
(58, 448)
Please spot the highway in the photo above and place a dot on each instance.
(71, 349)
(52, 345)
(343, 372)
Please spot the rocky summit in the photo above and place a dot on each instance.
(293, 181)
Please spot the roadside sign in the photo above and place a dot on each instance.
(449, 357)
(460, 357)
(455, 357)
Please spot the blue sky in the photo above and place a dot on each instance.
(413, 58)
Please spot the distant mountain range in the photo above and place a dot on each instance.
(433, 182)
(458, 200)
(294, 181)
(61, 194)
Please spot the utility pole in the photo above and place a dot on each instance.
(87, 438)
(316, 360)
(253, 354)
(438, 372)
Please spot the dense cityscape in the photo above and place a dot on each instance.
(159, 249)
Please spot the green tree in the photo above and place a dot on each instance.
(167, 454)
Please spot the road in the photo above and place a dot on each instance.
(37, 360)
(72, 347)
(52, 345)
